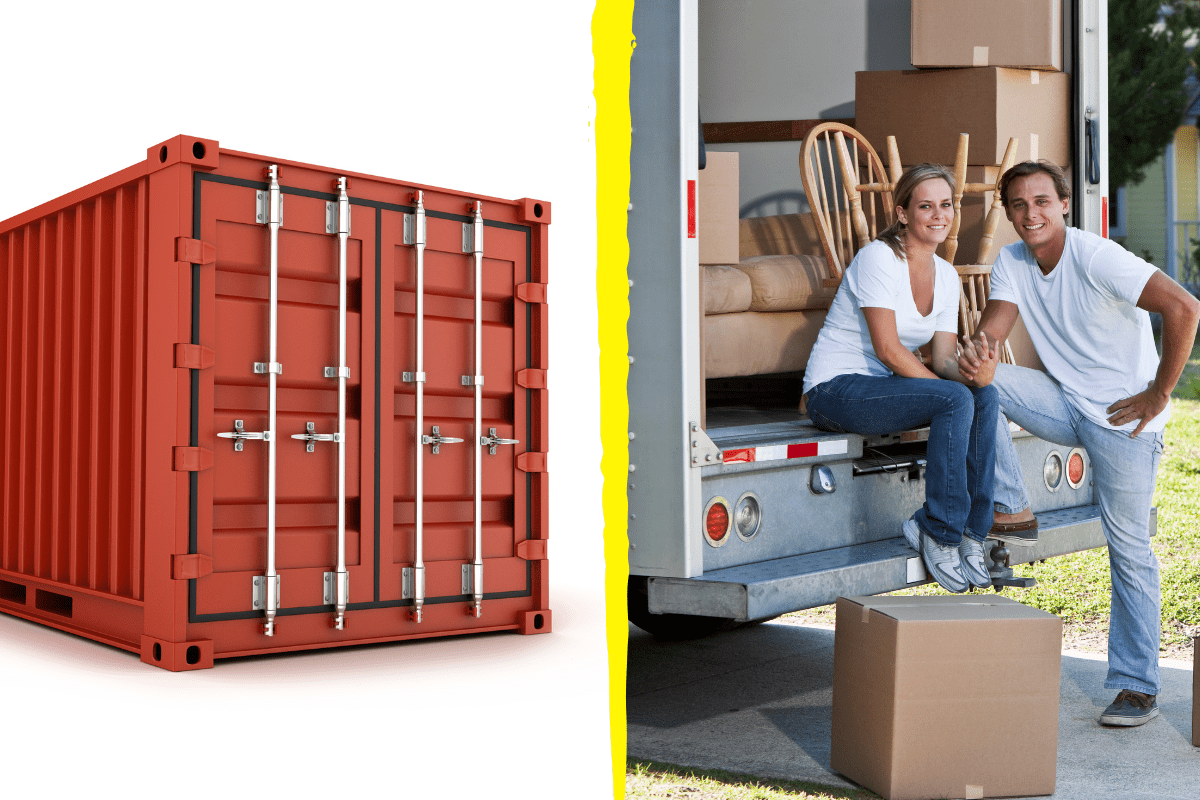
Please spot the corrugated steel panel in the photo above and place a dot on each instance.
(134, 312)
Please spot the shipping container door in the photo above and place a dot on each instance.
(232, 312)
(452, 504)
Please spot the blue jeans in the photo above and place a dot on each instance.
(1124, 471)
(960, 457)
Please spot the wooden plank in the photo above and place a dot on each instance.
(784, 130)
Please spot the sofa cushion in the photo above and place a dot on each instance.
(785, 233)
(757, 343)
(787, 283)
(726, 289)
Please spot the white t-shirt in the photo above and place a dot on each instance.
(876, 278)
(1084, 320)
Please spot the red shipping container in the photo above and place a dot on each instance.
(245, 409)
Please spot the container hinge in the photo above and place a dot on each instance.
(194, 251)
(491, 440)
(239, 435)
(261, 583)
(472, 584)
(437, 439)
(531, 378)
(531, 462)
(532, 549)
(190, 566)
(193, 459)
(194, 356)
(312, 437)
(337, 589)
(262, 209)
(531, 292)
(331, 219)
(704, 453)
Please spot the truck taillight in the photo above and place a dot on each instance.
(1076, 468)
(717, 521)
(747, 518)
(1052, 471)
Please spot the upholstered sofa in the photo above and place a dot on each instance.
(762, 315)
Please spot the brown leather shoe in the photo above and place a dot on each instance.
(1022, 533)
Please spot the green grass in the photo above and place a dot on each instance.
(656, 779)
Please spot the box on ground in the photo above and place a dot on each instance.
(717, 209)
(985, 33)
(1195, 693)
(926, 110)
(915, 711)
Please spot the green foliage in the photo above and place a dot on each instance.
(1148, 61)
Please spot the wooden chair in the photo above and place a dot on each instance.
(995, 213)
(976, 278)
(837, 166)
(976, 282)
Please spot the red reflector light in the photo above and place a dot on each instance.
(717, 522)
(1075, 469)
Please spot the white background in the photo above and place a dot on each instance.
(486, 97)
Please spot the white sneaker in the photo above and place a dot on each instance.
(944, 564)
(974, 563)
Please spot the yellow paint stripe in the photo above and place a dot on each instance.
(612, 47)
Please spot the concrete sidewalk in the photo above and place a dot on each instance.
(758, 700)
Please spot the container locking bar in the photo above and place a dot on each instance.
(269, 584)
(418, 567)
(340, 582)
(476, 381)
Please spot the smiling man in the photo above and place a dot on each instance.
(1086, 301)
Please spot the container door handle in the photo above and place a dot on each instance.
(491, 440)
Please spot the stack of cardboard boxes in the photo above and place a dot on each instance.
(986, 68)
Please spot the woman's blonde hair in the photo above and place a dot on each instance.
(893, 235)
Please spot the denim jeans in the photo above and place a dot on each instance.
(960, 457)
(1124, 471)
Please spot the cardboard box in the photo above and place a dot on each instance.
(974, 211)
(1195, 692)
(915, 708)
(1026, 34)
(717, 209)
(926, 110)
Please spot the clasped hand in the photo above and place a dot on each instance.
(977, 359)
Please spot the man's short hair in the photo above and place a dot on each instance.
(1061, 185)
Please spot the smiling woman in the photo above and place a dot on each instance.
(864, 377)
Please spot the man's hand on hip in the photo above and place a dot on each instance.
(1144, 406)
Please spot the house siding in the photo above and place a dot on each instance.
(1146, 215)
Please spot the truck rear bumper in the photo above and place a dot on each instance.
(770, 588)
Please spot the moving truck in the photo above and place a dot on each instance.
(739, 509)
